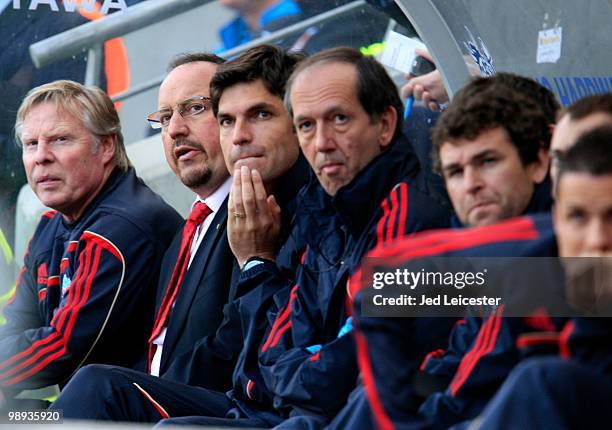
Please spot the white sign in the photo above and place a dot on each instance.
(399, 51)
(549, 45)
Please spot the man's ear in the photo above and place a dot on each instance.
(387, 121)
(107, 147)
(539, 168)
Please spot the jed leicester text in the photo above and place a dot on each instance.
(439, 300)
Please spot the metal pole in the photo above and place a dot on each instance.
(279, 34)
(77, 40)
(94, 65)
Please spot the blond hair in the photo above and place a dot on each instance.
(89, 104)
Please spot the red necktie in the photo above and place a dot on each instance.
(198, 214)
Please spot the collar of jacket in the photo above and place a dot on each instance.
(113, 180)
(355, 203)
(286, 192)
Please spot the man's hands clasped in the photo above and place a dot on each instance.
(253, 221)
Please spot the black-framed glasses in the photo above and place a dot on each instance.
(188, 108)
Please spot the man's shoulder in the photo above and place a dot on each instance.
(132, 204)
(132, 196)
(521, 236)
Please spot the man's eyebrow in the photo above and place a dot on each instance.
(329, 111)
(451, 166)
(251, 109)
(260, 106)
(475, 157)
(483, 154)
(221, 114)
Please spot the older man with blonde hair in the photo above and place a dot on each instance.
(87, 287)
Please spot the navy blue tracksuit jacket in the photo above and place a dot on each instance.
(389, 199)
(86, 290)
(481, 351)
(569, 391)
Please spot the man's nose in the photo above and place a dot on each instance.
(598, 237)
(472, 179)
(177, 127)
(242, 133)
(324, 139)
(43, 153)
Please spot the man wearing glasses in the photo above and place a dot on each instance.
(198, 267)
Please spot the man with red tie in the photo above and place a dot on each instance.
(199, 264)
(198, 268)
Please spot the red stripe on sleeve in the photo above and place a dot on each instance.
(55, 334)
(463, 238)
(403, 210)
(280, 321)
(381, 223)
(433, 354)
(315, 356)
(382, 420)
(279, 333)
(485, 345)
(393, 215)
(566, 333)
(438, 242)
(56, 343)
(63, 341)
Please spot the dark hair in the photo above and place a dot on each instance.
(597, 103)
(532, 89)
(591, 154)
(270, 64)
(193, 57)
(375, 89)
(488, 103)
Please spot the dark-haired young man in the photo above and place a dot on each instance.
(571, 391)
(256, 134)
(491, 147)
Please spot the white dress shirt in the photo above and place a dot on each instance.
(214, 202)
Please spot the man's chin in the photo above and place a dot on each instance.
(483, 218)
(50, 200)
(194, 177)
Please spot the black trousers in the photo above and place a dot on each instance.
(101, 392)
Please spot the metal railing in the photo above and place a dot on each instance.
(277, 35)
(92, 35)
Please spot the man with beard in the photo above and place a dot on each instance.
(198, 268)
